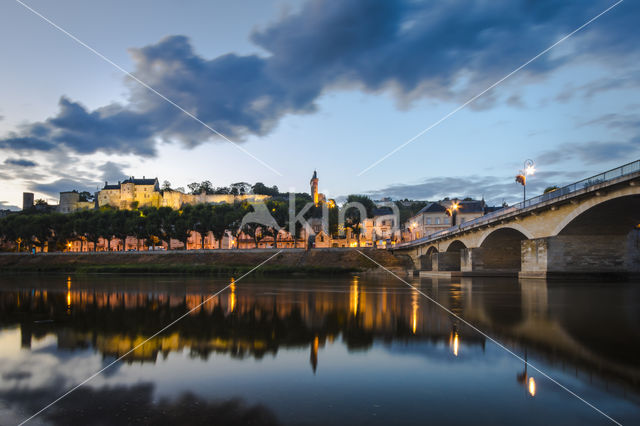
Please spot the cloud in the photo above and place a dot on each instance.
(616, 121)
(111, 129)
(54, 188)
(494, 189)
(112, 172)
(594, 152)
(22, 162)
(441, 50)
(4, 205)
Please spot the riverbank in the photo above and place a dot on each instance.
(316, 261)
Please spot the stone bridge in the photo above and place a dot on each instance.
(588, 228)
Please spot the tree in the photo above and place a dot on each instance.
(85, 196)
(152, 225)
(166, 185)
(120, 221)
(239, 188)
(220, 221)
(194, 188)
(262, 189)
(202, 218)
(179, 225)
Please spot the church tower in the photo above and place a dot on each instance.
(314, 187)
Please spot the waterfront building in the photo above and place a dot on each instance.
(436, 216)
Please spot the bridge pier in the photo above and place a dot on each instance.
(581, 255)
(445, 261)
(471, 259)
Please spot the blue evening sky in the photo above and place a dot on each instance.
(317, 84)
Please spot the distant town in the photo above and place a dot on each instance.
(142, 214)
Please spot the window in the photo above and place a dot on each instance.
(437, 221)
(446, 220)
(429, 221)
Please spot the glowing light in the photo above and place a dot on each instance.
(68, 294)
(232, 296)
(530, 170)
(532, 386)
(456, 343)
(455, 206)
(414, 311)
(353, 295)
(353, 244)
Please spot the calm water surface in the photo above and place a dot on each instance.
(317, 351)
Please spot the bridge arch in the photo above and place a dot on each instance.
(425, 259)
(614, 214)
(513, 226)
(502, 249)
(455, 246)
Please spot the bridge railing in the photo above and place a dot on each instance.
(609, 175)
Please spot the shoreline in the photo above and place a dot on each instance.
(289, 261)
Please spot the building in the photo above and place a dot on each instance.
(380, 229)
(439, 215)
(27, 200)
(132, 193)
(73, 201)
(317, 198)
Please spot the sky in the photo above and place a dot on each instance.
(269, 90)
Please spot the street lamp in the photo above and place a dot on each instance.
(521, 178)
(452, 210)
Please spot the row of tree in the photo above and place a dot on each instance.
(157, 225)
(238, 188)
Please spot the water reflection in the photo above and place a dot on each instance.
(552, 325)
(242, 323)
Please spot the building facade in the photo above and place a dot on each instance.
(132, 193)
(437, 216)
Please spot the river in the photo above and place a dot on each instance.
(356, 350)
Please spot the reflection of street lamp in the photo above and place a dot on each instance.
(524, 379)
(527, 170)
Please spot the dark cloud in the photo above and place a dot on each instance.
(494, 189)
(616, 121)
(4, 205)
(112, 129)
(54, 188)
(446, 50)
(112, 172)
(595, 152)
(22, 162)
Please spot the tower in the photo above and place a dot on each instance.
(27, 200)
(314, 187)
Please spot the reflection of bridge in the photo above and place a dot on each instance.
(589, 226)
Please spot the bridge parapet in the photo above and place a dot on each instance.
(592, 185)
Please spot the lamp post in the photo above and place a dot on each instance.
(452, 211)
(527, 170)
